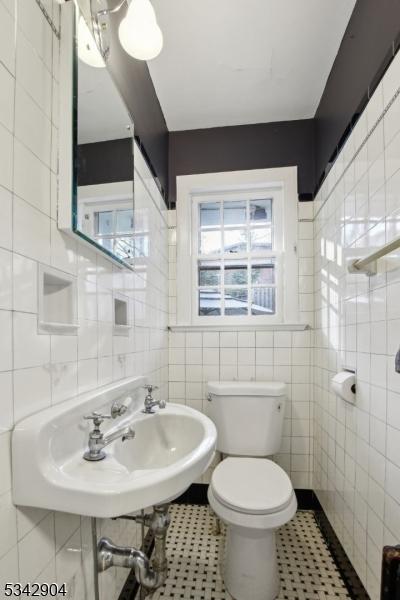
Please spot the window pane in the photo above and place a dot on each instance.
(210, 242)
(261, 239)
(261, 210)
(209, 274)
(263, 301)
(235, 273)
(234, 213)
(209, 303)
(263, 272)
(210, 214)
(123, 246)
(104, 222)
(124, 221)
(106, 243)
(236, 301)
(235, 241)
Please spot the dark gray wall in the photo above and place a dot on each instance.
(105, 162)
(136, 87)
(366, 49)
(362, 57)
(267, 145)
(364, 52)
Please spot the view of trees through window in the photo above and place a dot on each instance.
(236, 262)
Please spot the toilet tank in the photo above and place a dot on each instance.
(248, 416)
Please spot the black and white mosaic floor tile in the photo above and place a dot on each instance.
(306, 567)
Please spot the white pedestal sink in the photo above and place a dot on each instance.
(171, 449)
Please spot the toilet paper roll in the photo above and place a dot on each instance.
(344, 385)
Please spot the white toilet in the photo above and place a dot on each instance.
(252, 496)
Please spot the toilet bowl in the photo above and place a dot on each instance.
(253, 496)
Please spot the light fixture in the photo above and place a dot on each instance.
(88, 51)
(139, 33)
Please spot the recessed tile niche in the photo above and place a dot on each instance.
(57, 302)
(121, 316)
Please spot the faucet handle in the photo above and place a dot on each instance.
(117, 409)
(150, 387)
(97, 418)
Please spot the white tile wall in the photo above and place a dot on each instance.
(357, 448)
(198, 357)
(39, 370)
(357, 323)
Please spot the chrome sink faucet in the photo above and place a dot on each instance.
(149, 402)
(97, 441)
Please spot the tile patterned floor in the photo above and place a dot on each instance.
(306, 567)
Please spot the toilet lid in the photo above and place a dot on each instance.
(252, 485)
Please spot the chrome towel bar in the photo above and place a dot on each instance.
(368, 264)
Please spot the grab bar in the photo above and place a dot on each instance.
(368, 264)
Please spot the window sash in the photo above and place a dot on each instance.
(247, 257)
(248, 225)
(249, 286)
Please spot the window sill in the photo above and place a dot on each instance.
(241, 327)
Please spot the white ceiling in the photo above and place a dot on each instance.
(233, 62)
(102, 114)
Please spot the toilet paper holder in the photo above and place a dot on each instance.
(344, 385)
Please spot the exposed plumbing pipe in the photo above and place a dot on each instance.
(142, 528)
(130, 558)
(95, 569)
(151, 575)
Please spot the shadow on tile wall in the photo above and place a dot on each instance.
(357, 325)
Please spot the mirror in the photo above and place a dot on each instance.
(103, 199)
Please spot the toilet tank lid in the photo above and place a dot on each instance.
(247, 388)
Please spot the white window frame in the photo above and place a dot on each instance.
(281, 184)
(238, 195)
(104, 197)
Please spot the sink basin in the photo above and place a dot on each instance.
(171, 449)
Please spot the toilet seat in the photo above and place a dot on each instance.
(252, 492)
(252, 485)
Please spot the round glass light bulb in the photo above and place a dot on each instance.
(88, 51)
(140, 11)
(143, 41)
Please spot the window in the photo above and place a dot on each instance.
(113, 229)
(236, 248)
(105, 214)
(236, 254)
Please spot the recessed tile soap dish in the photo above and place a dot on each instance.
(121, 315)
(58, 312)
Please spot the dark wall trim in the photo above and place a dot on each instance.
(261, 146)
(368, 45)
(197, 494)
(105, 162)
(346, 569)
